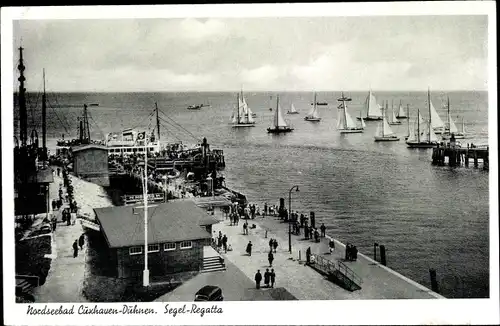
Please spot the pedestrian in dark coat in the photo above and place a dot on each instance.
(306, 232)
(273, 277)
(271, 244)
(54, 224)
(224, 243)
(270, 257)
(75, 249)
(249, 248)
(267, 276)
(275, 245)
(81, 241)
(323, 230)
(258, 278)
(316, 235)
(308, 255)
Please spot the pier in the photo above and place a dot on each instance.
(458, 156)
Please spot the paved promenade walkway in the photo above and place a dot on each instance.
(379, 282)
(65, 278)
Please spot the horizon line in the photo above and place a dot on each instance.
(256, 91)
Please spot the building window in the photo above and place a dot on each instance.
(154, 248)
(169, 246)
(186, 244)
(135, 250)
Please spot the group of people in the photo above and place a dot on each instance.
(222, 243)
(269, 278)
(351, 252)
(78, 242)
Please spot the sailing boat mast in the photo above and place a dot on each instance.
(238, 107)
(44, 121)
(314, 111)
(418, 126)
(383, 117)
(277, 113)
(157, 120)
(408, 117)
(343, 110)
(449, 116)
(430, 115)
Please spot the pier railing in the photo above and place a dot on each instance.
(349, 273)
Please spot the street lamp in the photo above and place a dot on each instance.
(289, 217)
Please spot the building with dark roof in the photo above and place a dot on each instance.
(177, 233)
(90, 162)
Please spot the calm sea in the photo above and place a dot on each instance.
(364, 192)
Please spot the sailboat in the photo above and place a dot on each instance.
(373, 109)
(384, 132)
(279, 123)
(392, 117)
(408, 117)
(345, 124)
(437, 123)
(313, 114)
(451, 128)
(292, 110)
(242, 117)
(428, 138)
(401, 113)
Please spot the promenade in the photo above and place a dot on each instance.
(65, 278)
(302, 281)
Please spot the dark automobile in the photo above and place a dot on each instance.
(209, 293)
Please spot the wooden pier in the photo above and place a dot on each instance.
(458, 156)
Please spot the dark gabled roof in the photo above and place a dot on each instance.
(174, 221)
(88, 146)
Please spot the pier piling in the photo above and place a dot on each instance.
(434, 283)
(382, 255)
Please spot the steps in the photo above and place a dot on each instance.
(213, 264)
(24, 288)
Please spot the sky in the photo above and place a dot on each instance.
(389, 53)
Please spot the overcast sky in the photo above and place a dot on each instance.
(285, 54)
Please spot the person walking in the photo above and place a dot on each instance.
(224, 243)
(258, 278)
(308, 256)
(271, 244)
(245, 228)
(323, 230)
(249, 248)
(270, 258)
(267, 276)
(331, 246)
(275, 245)
(75, 249)
(306, 232)
(316, 235)
(81, 241)
(273, 277)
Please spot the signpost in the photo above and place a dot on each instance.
(152, 198)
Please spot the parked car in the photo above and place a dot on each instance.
(209, 293)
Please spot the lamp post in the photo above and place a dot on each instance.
(289, 217)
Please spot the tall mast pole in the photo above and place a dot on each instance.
(408, 117)
(238, 107)
(145, 277)
(430, 114)
(418, 126)
(383, 116)
(44, 118)
(157, 121)
(449, 117)
(23, 115)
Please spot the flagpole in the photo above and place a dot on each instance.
(145, 277)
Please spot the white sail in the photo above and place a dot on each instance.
(363, 124)
(340, 117)
(249, 115)
(450, 126)
(393, 118)
(292, 108)
(428, 134)
(401, 112)
(314, 112)
(373, 109)
(463, 127)
(349, 123)
(278, 120)
(436, 121)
